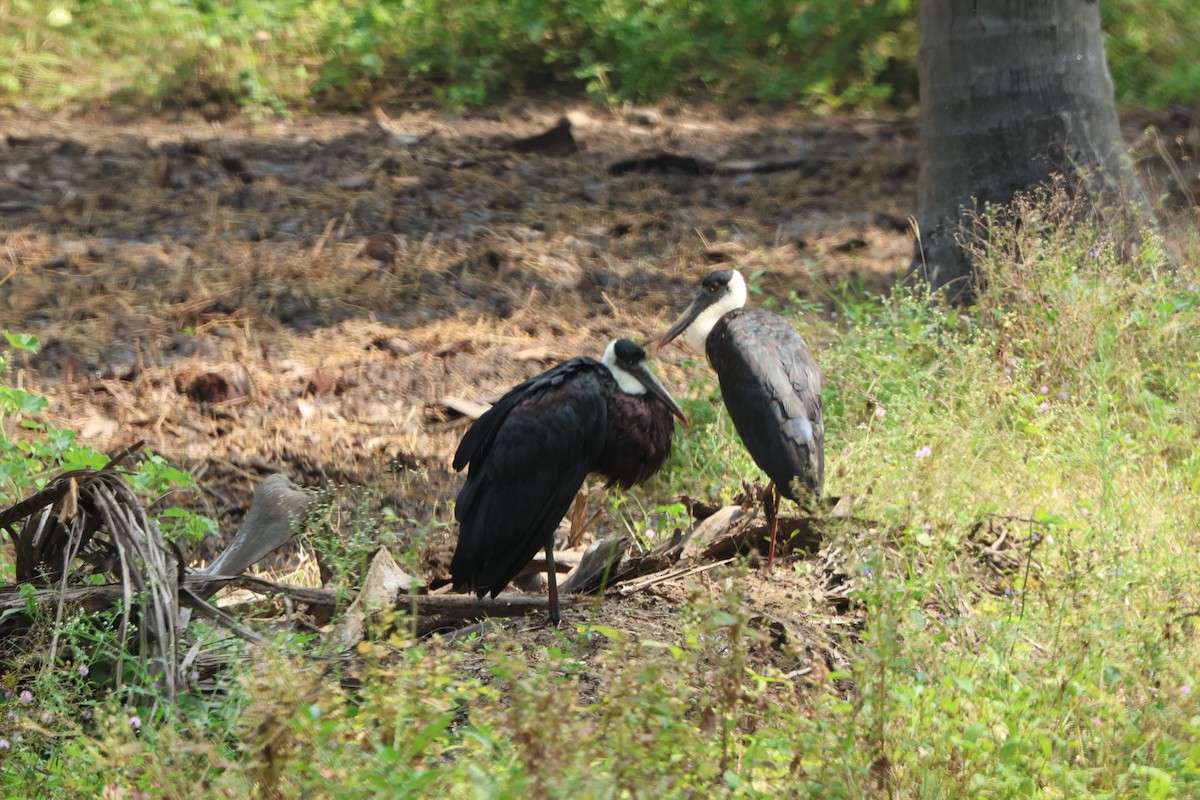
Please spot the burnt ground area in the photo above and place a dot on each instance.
(300, 296)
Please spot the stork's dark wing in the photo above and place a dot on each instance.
(479, 438)
(771, 385)
(528, 456)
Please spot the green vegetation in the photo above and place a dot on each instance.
(276, 55)
(1029, 590)
(27, 462)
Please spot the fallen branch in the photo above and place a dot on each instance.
(598, 564)
(663, 577)
(325, 598)
(795, 533)
(448, 612)
(713, 526)
(505, 605)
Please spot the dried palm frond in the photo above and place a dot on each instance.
(88, 522)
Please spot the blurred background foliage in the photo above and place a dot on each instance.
(281, 55)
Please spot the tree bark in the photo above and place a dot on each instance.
(1012, 92)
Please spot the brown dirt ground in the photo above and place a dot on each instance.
(145, 252)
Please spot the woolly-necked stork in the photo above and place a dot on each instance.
(529, 454)
(771, 385)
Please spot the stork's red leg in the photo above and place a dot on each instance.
(552, 588)
(771, 501)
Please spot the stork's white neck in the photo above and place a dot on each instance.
(734, 297)
(626, 382)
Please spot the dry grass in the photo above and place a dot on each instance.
(502, 269)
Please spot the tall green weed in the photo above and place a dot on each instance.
(1051, 424)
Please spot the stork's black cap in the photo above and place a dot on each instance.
(629, 351)
(714, 281)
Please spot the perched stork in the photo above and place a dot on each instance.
(529, 454)
(771, 385)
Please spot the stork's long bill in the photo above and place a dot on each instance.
(720, 293)
(658, 390)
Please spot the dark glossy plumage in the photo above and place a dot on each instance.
(531, 452)
(639, 439)
(771, 385)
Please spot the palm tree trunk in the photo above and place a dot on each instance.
(1012, 92)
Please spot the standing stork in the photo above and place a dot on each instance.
(529, 454)
(771, 385)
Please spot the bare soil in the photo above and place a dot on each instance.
(211, 287)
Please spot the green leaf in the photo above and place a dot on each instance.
(31, 403)
(606, 632)
(427, 734)
(22, 341)
(1046, 518)
(175, 513)
(20, 400)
